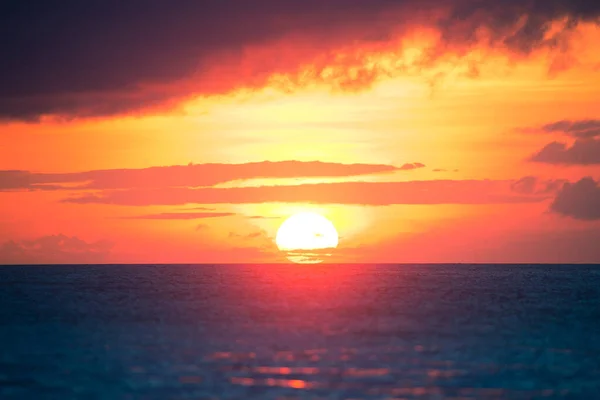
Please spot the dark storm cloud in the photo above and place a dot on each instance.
(101, 57)
(354, 193)
(581, 152)
(579, 200)
(502, 17)
(185, 175)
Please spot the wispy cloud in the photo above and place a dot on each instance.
(247, 236)
(582, 129)
(59, 249)
(262, 217)
(532, 185)
(192, 175)
(365, 193)
(185, 216)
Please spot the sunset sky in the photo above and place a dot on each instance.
(187, 131)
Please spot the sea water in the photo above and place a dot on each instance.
(295, 332)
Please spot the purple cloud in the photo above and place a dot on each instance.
(581, 129)
(59, 57)
(582, 152)
(579, 200)
(531, 185)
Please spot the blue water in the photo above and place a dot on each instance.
(291, 332)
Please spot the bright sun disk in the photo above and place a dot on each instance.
(304, 235)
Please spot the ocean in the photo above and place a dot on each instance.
(300, 332)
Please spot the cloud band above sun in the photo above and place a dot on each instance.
(192, 175)
(162, 53)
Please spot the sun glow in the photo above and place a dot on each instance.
(306, 237)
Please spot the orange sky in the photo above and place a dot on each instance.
(447, 151)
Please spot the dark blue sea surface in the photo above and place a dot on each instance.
(292, 332)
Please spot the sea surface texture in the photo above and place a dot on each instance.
(300, 332)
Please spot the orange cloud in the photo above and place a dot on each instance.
(191, 175)
(364, 193)
(174, 216)
(158, 54)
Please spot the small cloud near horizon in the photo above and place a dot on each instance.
(55, 249)
(411, 166)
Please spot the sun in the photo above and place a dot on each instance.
(306, 237)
